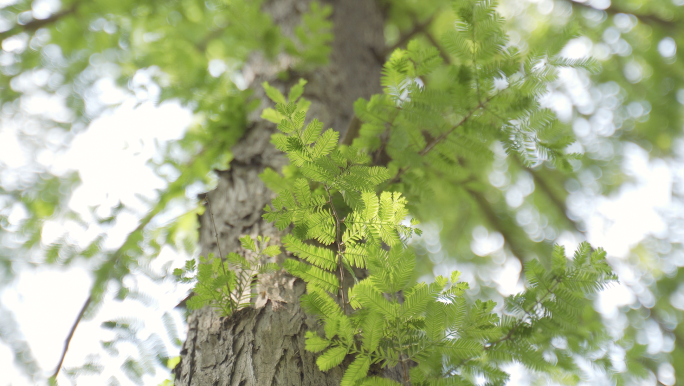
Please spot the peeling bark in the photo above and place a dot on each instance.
(265, 345)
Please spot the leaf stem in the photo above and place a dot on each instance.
(218, 244)
(508, 336)
(339, 247)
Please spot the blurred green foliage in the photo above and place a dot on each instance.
(526, 198)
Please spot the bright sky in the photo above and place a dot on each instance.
(111, 159)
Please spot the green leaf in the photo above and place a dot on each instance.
(372, 299)
(312, 131)
(271, 251)
(455, 275)
(377, 381)
(248, 243)
(325, 144)
(318, 303)
(315, 343)
(302, 192)
(331, 358)
(272, 116)
(296, 90)
(274, 94)
(356, 370)
(416, 302)
(320, 257)
(311, 274)
(373, 331)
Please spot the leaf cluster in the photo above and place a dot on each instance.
(445, 105)
(337, 218)
(386, 320)
(227, 284)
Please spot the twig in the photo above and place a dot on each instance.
(645, 17)
(417, 28)
(211, 214)
(510, 333)
(494, 221)
(71, 335)
(544, 185)
(113, 260)
(380, 157)
(428, 148)
(352, 131)
(439, 47)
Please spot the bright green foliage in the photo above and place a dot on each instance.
(444, 116)
(227, 284)
(397, 322)
(365, 223)
(313, 38)
(340, 222)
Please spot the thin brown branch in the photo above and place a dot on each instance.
(35, 24)
(549, 192)
(494, 221)
(352, 131)
(428, 148)
(418, 28)
(71, 335)
(114, 260)
(211, 214)
(381, 157)
(648, 18)
(233, 306)
(439, 47)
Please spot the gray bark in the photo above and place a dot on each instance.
(265, 345)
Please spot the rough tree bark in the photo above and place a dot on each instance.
(265, 345)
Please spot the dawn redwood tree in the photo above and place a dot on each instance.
(274, 342)
(311, 253)
(265, 345)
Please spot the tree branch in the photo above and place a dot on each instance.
(439, 47)
(648, 18)
(418, 27)
(352, 131)
(558, 202)
(494, 221)
(234, 305)
(35, 24)
(113, 260)
(71, 335)
(428, 148)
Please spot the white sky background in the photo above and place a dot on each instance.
(111, 159)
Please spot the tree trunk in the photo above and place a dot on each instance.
(265, 345)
